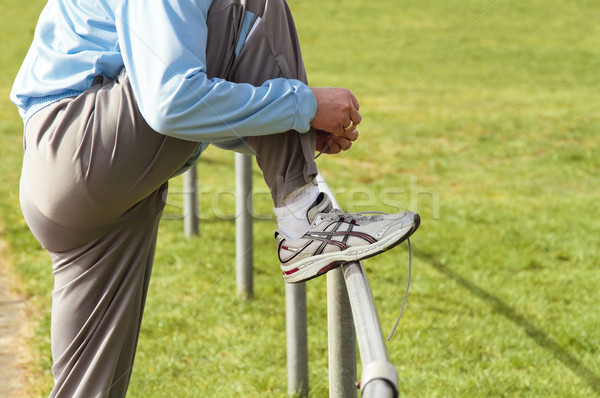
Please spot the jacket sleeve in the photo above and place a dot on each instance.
(163, 44)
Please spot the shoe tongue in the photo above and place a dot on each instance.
(321, 205)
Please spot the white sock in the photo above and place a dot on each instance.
(291, 216)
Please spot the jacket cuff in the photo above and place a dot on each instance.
(306, 108)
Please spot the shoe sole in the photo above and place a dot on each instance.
(311, 268)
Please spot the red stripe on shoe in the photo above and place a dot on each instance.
(290, 272)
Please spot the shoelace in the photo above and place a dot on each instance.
(358, 216)
(406, 293)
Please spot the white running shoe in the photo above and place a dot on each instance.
(335, 237)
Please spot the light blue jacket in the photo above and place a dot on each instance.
(161, 44)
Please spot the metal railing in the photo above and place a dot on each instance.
(352, 316)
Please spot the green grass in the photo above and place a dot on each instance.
(481, 115)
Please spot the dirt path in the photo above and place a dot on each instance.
(14, 328)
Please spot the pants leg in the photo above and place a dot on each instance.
(271, 51)
(92, 192)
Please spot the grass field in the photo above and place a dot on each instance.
(484, 116)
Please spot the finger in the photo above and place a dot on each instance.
(341, 130)
(321, 145)
(333, 147)
(351, 135)
(354, 101)
(343, 143)
(355, 116)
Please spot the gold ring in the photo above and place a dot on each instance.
(350, 126)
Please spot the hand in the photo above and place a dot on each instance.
(337, 111)
(332, 144)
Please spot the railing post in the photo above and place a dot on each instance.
(190, 202)
(243, 225)
(297, 340)
(341, 338)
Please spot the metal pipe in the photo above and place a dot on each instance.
(190, 202)
(368, 331)
(379, 389)
(341, 338)
(297, 340)
(243, 226)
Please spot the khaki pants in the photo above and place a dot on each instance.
(93, 188)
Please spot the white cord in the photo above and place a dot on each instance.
(406, 293)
